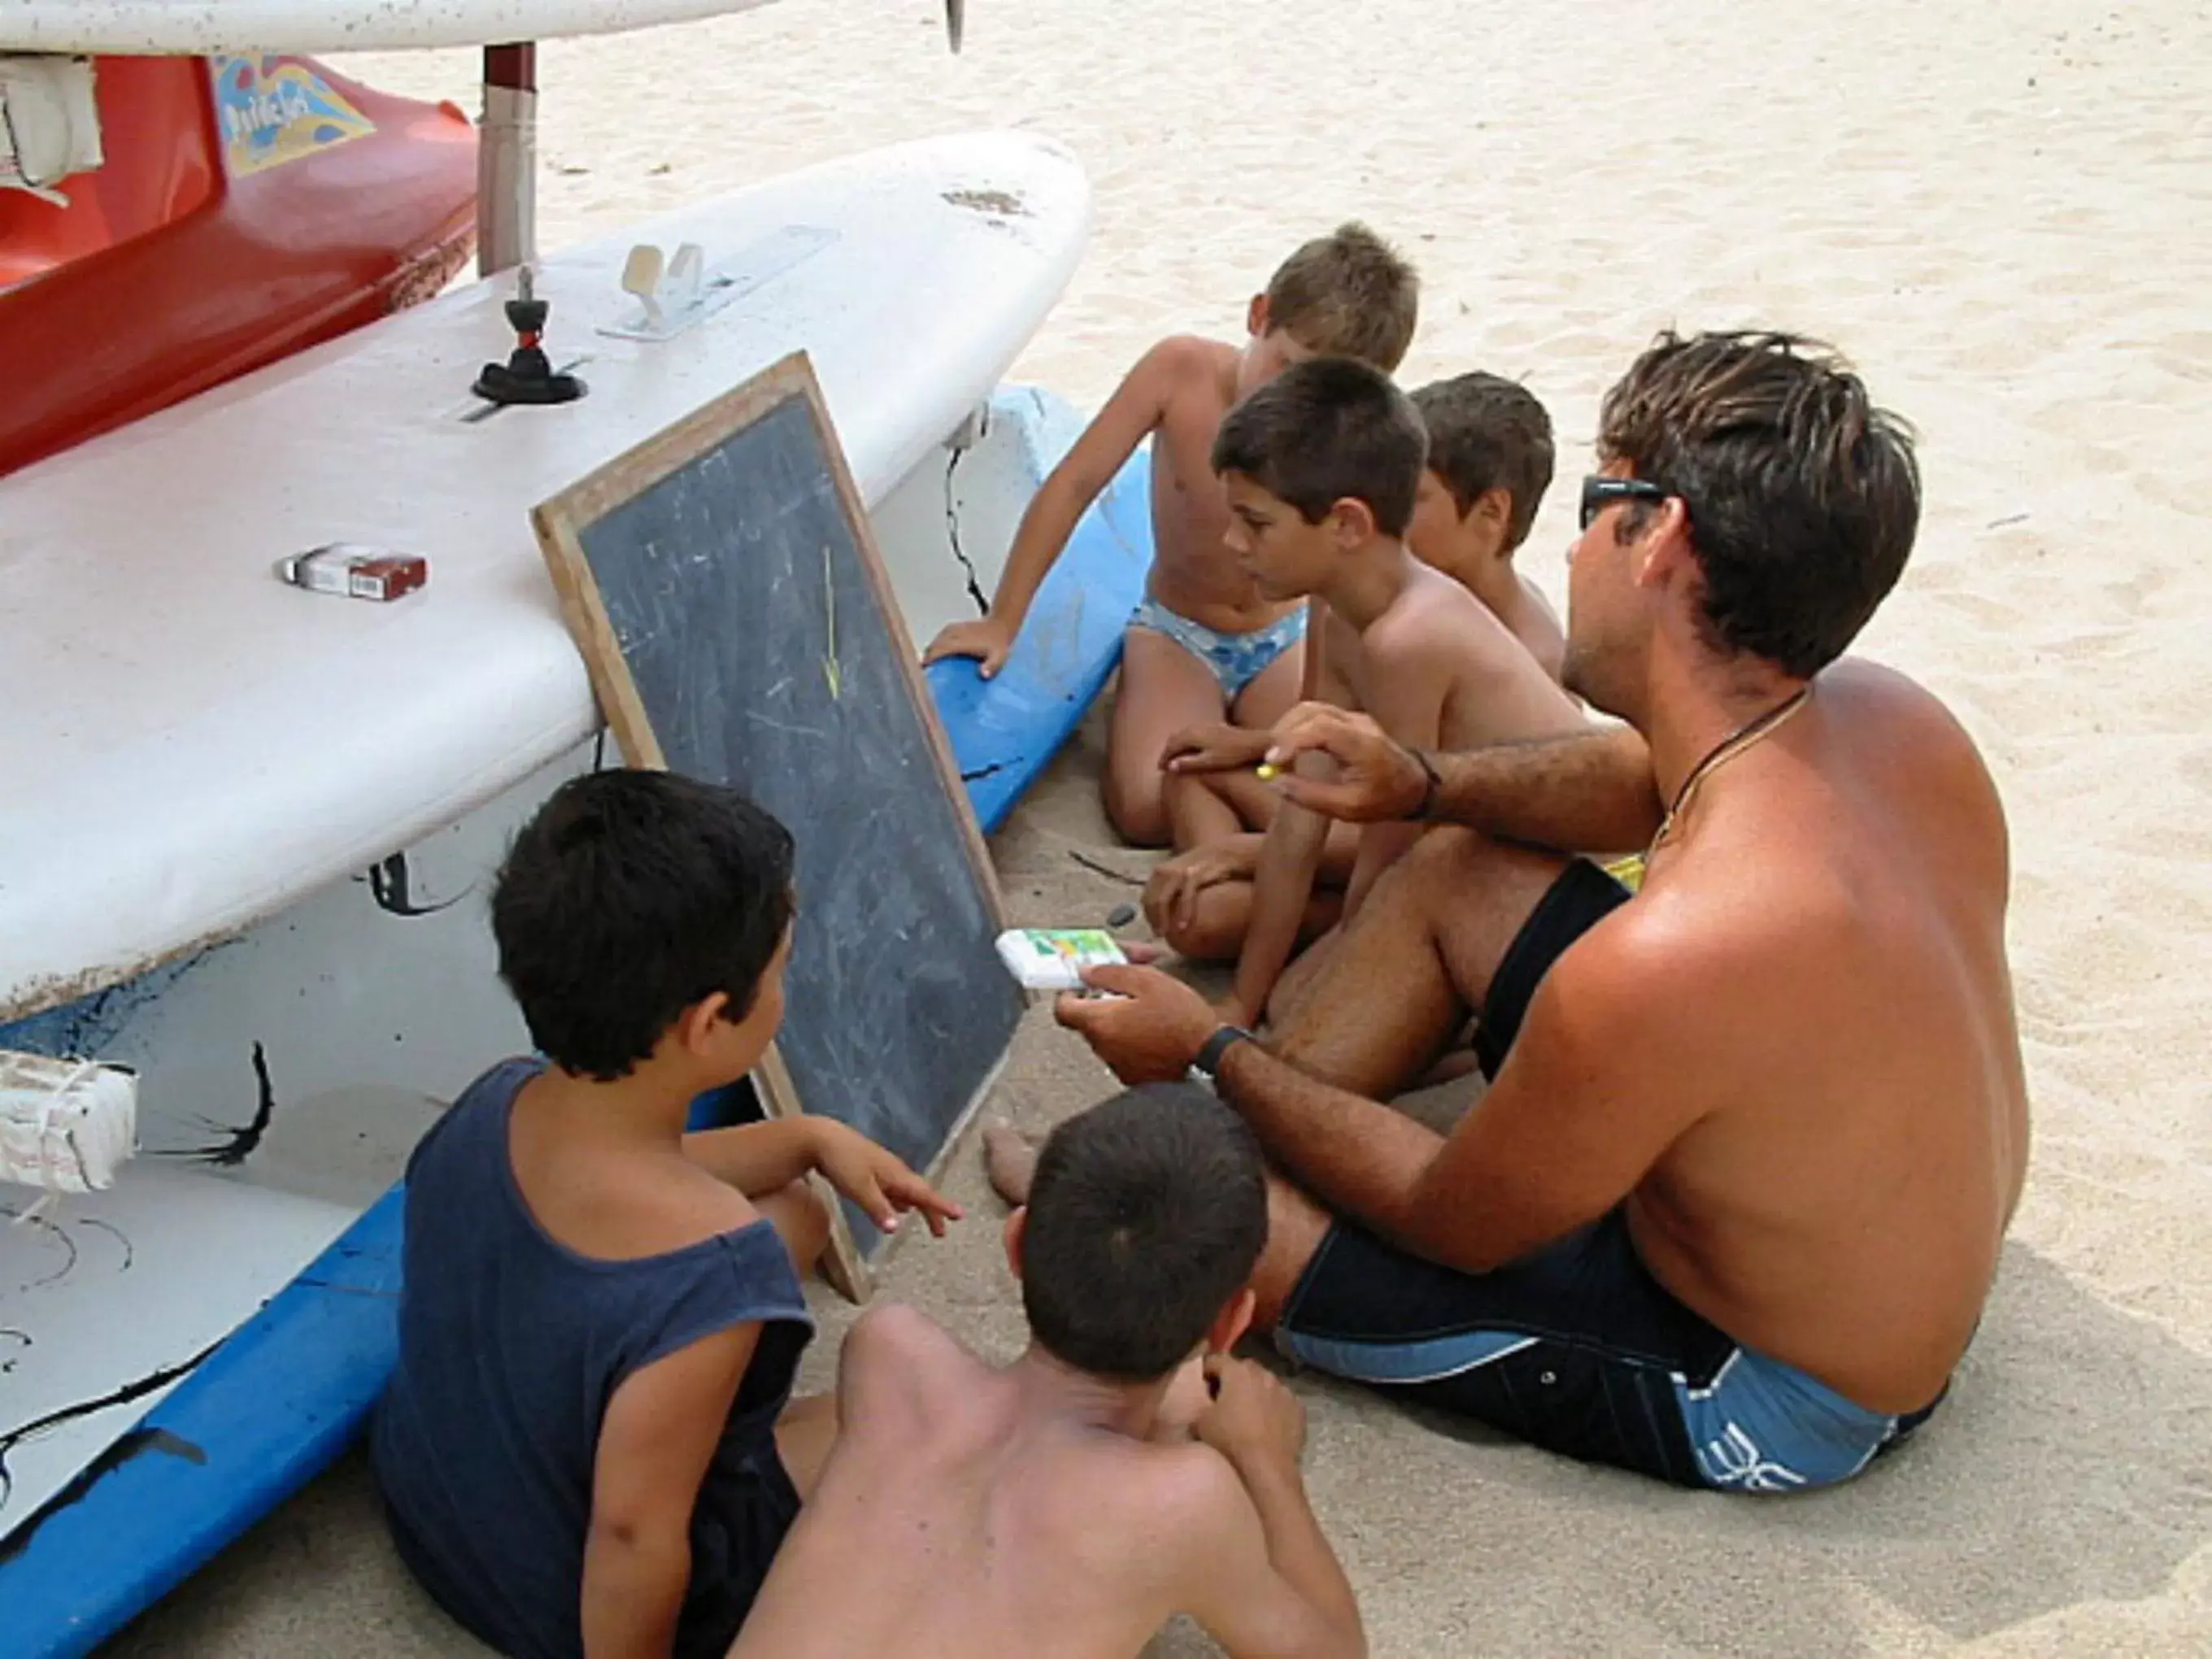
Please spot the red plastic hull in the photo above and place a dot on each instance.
(167, 274)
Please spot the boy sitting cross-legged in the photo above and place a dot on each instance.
(1321, 469)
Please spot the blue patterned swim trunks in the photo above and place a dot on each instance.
(1236, 659)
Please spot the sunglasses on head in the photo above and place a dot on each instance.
(1599, 494)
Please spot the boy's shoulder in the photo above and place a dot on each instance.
(1179, 1500)
(1435, 622)
(1186, 365)
(1536, 625)
(900, 1367)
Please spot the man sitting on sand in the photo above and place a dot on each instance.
(1729, 1211)
(1060, 1504)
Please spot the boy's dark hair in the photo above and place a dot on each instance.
(1325, 429)
(1803, 497)
(1348, 293)
(1488, 432)
(630, 897)
(1146, 1217)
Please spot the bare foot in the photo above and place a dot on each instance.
(1010, 1161)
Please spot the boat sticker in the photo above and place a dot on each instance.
(273, 110)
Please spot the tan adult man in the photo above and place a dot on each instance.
(1731, 1208)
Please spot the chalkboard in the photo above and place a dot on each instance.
(723, 582)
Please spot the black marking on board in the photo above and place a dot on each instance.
(388, 884)
(984, 771)
(56, 1231)
(952, 534)
(229, 1154)
(21, 1339)
(600, 751)
(137, 1389)
(115, 1232)
(1107, 870)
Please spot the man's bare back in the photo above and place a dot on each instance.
(970, 1510)
(1833, 941)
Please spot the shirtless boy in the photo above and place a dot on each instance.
(1321, 469)
(1489, 462)
(1204, 645)
(1061, 1504)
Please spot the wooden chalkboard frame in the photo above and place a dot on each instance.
(560, 522)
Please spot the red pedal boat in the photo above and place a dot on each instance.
(247, 207)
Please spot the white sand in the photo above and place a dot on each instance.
(2005, 213)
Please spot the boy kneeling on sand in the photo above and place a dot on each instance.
(1071, 1502)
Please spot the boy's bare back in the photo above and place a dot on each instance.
(971, 1510)
(1438, 669)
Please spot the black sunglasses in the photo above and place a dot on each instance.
(1599, 494)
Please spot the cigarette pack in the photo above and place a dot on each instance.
(362, 573)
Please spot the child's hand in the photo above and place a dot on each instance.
(877, 1180)
(1214, 746)
(987, 639)
(1171, 894)
(1253, 1415)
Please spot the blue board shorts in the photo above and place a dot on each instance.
(1575, 1348)
(1236, 659)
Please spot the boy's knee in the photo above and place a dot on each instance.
(800, 1216)
(1137, 808)
(1203, 938)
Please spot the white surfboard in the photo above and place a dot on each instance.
(163, 29)
(296, 799)
(193, 745)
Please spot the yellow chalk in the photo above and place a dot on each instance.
(1269, 774)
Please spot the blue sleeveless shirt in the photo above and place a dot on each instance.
(511, 1345)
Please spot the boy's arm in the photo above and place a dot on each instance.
(659, 1433)
(1406, 695)
(1289, 859)
(1290, 855)
(1134, 410)
(759, 1158)
(1265, 1580)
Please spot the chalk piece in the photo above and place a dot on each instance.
(1269, 774)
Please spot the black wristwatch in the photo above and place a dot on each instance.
(1206, 1068)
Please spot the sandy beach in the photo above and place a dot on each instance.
(2004, 214)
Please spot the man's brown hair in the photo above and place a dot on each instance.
(1803, 496)
(1347, 295)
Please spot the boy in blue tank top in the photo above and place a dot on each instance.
(588, 1447)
